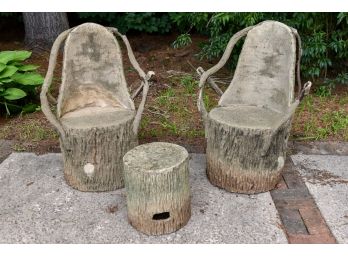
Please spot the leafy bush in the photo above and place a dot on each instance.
(148, 22)
(15, 15)
(324, 38)
(17, 81)
(182, 40)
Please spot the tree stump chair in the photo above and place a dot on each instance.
(158, 189)
(96, 118)
(247, 132)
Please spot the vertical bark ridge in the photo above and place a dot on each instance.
(102, 147)
(159, 191)
(235, 161)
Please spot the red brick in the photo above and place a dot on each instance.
(301, 218)
(281, 184)
(314, 222)
(292, 198)
(311, 239)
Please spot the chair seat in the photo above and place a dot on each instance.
(94, 117)
(243, 116)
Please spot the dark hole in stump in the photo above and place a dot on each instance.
(161, 216)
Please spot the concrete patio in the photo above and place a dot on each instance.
(37, 206)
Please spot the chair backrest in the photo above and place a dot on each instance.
(93, 72)
(265, 73)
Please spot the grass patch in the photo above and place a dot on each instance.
(19, 148)
(165, 96)
(35, 132)
(337, 122)
(30, 130)
(195, 133)
(343, 100)
(321, 118)
(5, 132)
(323, 91)
(170, 126)
(209, 102)
(174, 111)
(189, 83)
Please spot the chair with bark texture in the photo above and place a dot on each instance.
(247, 132)
(96, 118)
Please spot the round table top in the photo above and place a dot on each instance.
(154, 157)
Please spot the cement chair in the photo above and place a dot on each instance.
(96, 118)
(247, 132)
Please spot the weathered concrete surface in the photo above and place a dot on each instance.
(36, 206)
(327, 180)
(320, 148)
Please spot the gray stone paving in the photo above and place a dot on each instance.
(326, 177)
(36, 206)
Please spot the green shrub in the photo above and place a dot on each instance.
(17, 16)
(182, 40)
(147, 22)
(324, 38)
(18, 81)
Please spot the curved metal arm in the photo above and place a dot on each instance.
(47, 82)
(144, 85)
(218, 66)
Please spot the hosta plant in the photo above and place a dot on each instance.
(18, 82)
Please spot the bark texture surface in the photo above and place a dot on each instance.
(93, 72)
(96, 110)
(235, 160)
(93, 150)
(158, 189)
(96, 117)
(265, 73)
(42, 28)
(247, 133)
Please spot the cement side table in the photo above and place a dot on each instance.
(158, 189)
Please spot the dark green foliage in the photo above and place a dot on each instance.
(147, 22)
(324, 36)
(18, 82)
(15, 15)
(182, 40)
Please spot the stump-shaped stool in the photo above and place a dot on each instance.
(158, 189)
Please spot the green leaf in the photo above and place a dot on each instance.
(28, 78)
(29, 67)
(28, 108)
(5, 80)
(8, 71)
(2, 66)
(14, 93)
(8, 56)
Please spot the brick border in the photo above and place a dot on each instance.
(300, 216)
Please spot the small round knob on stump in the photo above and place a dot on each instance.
(158, 189)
